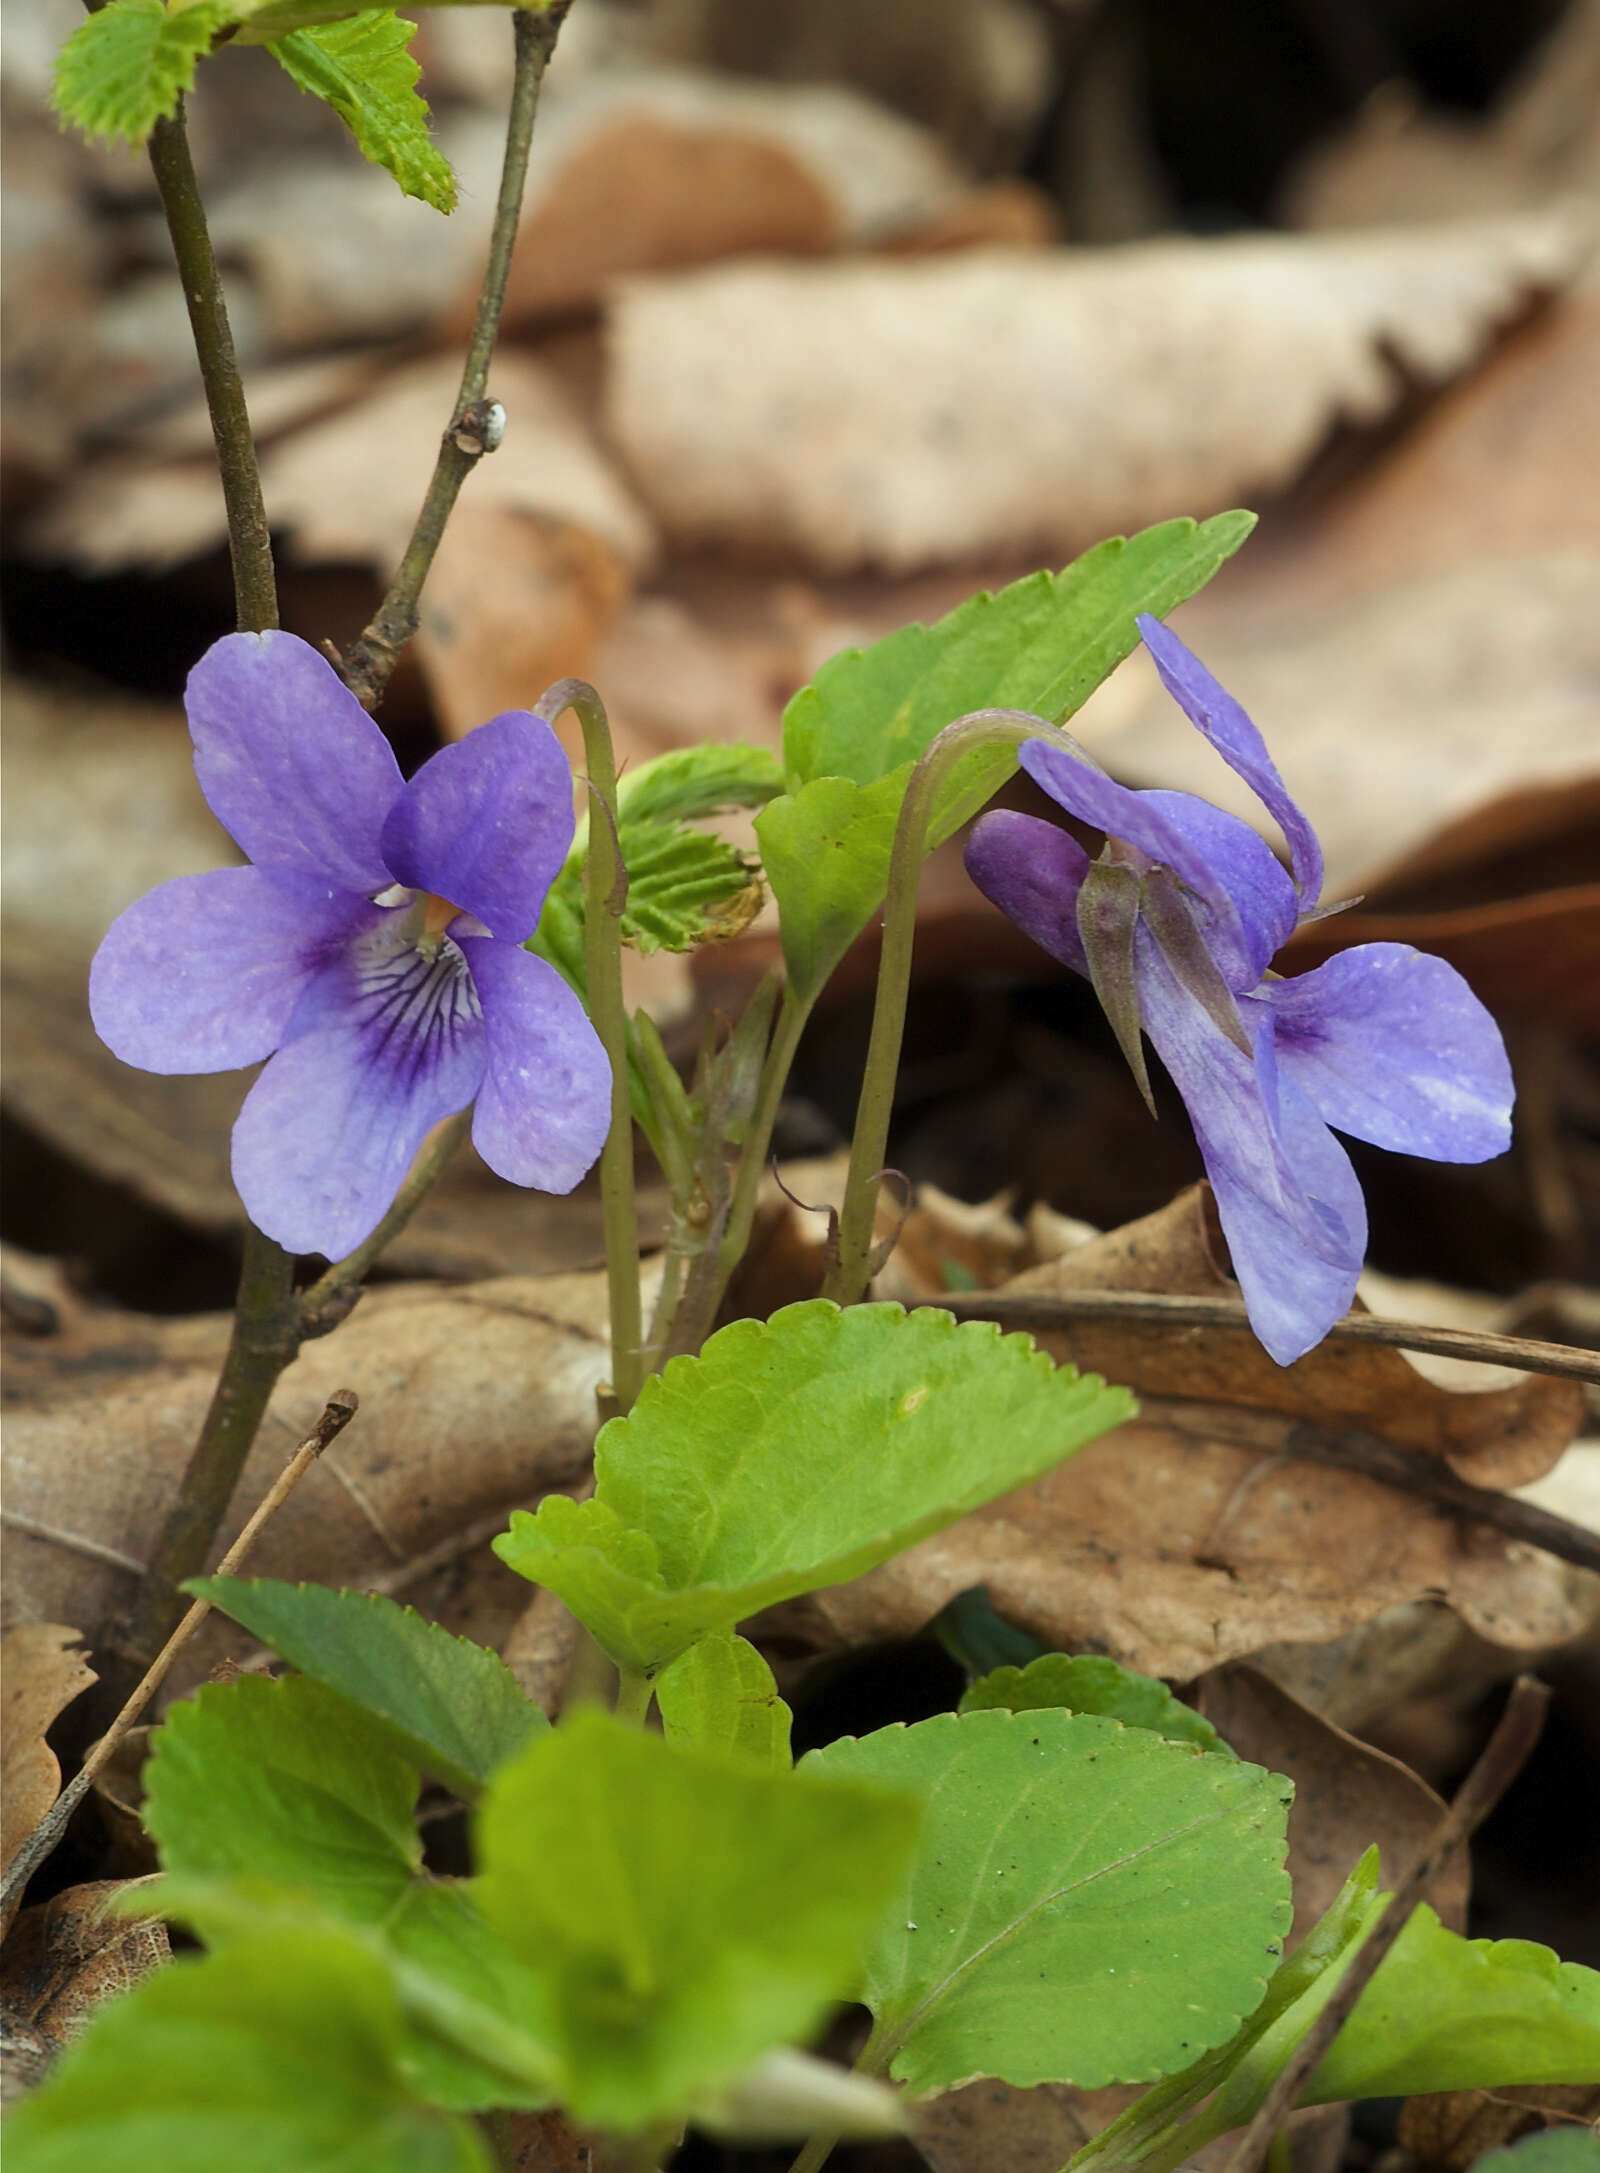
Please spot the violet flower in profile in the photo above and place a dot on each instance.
(372, 950)
(1176, 925)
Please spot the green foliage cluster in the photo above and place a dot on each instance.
(1071, 1879)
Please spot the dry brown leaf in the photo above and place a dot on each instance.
(989, 2125)
(66, 1955)
(1499, 1437)
(644, 169)
(45, 1668)
(1449, 2131)
(1190, 1537)
(1347, 1795)
(473, 1399)
(546, 2143)
(900, 414)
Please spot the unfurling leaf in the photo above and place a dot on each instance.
(129, 64)
(363, 68)
(1088, 1903)
(795, 1453)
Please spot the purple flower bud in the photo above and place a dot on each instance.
(1382, 1041)
(372, 950)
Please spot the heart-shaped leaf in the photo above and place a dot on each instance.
(1089, 1903)
(795, 1453)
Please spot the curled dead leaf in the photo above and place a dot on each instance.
(45, 1668)
(64, 1956)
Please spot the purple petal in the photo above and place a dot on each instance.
(1392, 1046)
(383, 1045)
(1245, 866)
(545, 1104)
(1032, 871)
(1211, 709)
(1290, 1205)
(290, 763)
(1138, 818)
(204, 973)
(487, 823)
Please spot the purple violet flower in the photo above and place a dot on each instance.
(1176, 925)
(372, 950)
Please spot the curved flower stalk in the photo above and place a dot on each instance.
(372, 950)
(1176, 924)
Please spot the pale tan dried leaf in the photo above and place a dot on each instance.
(473, 1399)
(66, 1955)
(1449, 2131)
(1347, 1795)
(1498, 1437)
(899, 414)
(45, 1668)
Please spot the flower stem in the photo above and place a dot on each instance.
(605, 892)
(635, 1689)
(255, 586)
(474, 425)
(848, 1278)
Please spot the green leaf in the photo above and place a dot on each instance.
(977, 1638)
(285, 1781)
(439, 1931)
(1552, 2150)
(127, 66)
(720, 1695)
(1092, 1684)
(1088, 1903)
(261, 21)
(476, 2019)
(826, 852)
(795, 1453)
(692, 782)
(1447, 2013)
(450, 1706)
(688, 1912)
(362, 67)
(1043, 644)
(850, 739)
(284, 2050)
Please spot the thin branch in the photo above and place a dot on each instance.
(1503, 1759)
(605, 893)
(477, 422)
(1044, 1313)
(249, 542)
(337, 1414)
